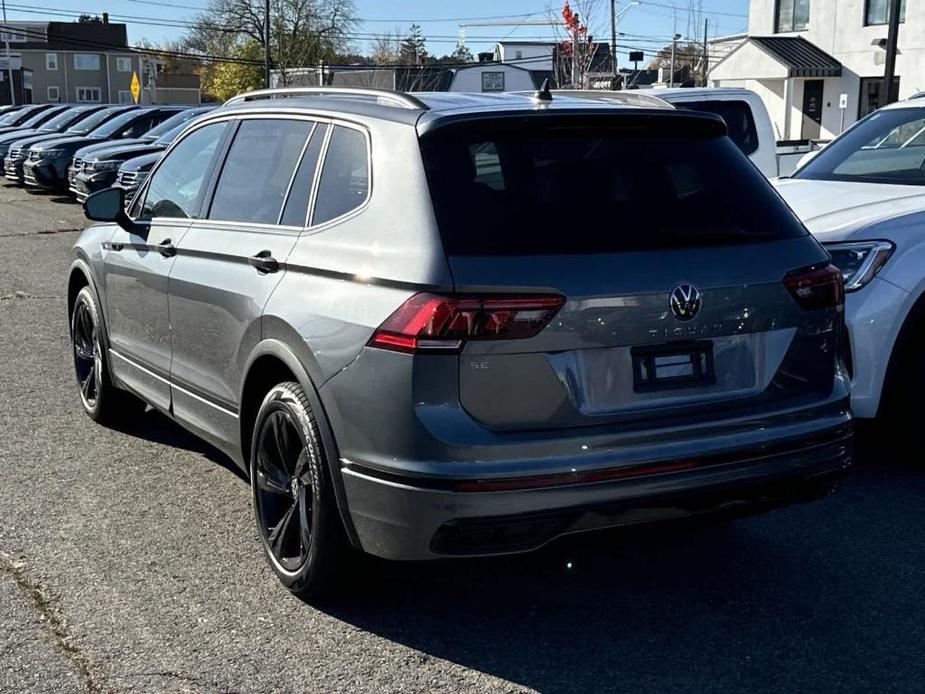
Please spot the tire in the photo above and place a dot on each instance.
(101, 399)
(294, 505)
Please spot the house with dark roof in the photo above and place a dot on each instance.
(818, 64)
(83, 62)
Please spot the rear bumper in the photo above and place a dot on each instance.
(420, 517)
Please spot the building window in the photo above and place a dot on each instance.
(54, 94)
(123, 64)
(872, 94)
(878, 12)
(792, 15)
(86, 61)
(125, 97)
(492, 81)
(51, 61)
(13, 36)
(89, 94)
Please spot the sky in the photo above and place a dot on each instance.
(647, 24)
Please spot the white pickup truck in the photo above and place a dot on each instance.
(748, 121)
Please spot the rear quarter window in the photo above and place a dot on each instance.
(344, 183)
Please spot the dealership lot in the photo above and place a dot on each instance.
(129, 562)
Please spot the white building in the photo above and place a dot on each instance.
(530, 55)
(801, 56)
(491, 77)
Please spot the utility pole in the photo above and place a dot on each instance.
(892, 42)
(674, 45)
(706, 54)
(9, 61)
(613, 44)
(266, 47)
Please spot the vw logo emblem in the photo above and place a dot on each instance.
(684, 302)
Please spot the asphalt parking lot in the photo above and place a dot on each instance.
(129, 563)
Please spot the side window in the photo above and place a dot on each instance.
(344, 183)
(296, 210)
(176, 187)
(139, 127)
(739, 121)
(258, 169)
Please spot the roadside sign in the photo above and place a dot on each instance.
(843, 101)
(636, 56)
(135, 87)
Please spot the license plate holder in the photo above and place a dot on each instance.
(672, 366)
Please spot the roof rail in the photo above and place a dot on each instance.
(383, 95)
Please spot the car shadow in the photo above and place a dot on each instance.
(806, 598)
(673, 608)
(158, 428)
(815, 597)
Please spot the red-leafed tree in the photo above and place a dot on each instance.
(575, 52)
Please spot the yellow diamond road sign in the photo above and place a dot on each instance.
(136, 87)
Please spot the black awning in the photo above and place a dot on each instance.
(802, 58)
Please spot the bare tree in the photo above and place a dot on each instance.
(387, 47)
(303, 33)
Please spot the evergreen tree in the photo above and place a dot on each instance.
(414, 46)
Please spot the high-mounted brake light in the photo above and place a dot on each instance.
(433, 322)
(817, 287)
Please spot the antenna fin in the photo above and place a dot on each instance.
(543, 93)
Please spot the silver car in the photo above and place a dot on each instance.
(451, 325)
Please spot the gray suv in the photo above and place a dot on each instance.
(450, 325)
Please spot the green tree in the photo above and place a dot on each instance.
(413, 50)
(224, 80)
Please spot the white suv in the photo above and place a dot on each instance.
(863, 197)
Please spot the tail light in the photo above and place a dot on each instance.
(432, 322)
(817, 287)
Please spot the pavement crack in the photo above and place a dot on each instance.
(202, 683)
(20, 295)
(41, 232)
(44, 604)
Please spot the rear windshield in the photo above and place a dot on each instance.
(111, 127)
(63, 118)
(595, 189)
(17, 117)
(738, 117)
(90, 122)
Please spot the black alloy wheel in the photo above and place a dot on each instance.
(102, 401)
(284, 491)
(88, 364)
(297, 517)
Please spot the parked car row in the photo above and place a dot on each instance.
(79, 148)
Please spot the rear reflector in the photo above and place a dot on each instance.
(817, 287)
(433, 322)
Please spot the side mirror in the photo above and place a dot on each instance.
(108, 206)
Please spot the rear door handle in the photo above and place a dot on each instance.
(166, 249)
(264, 262)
